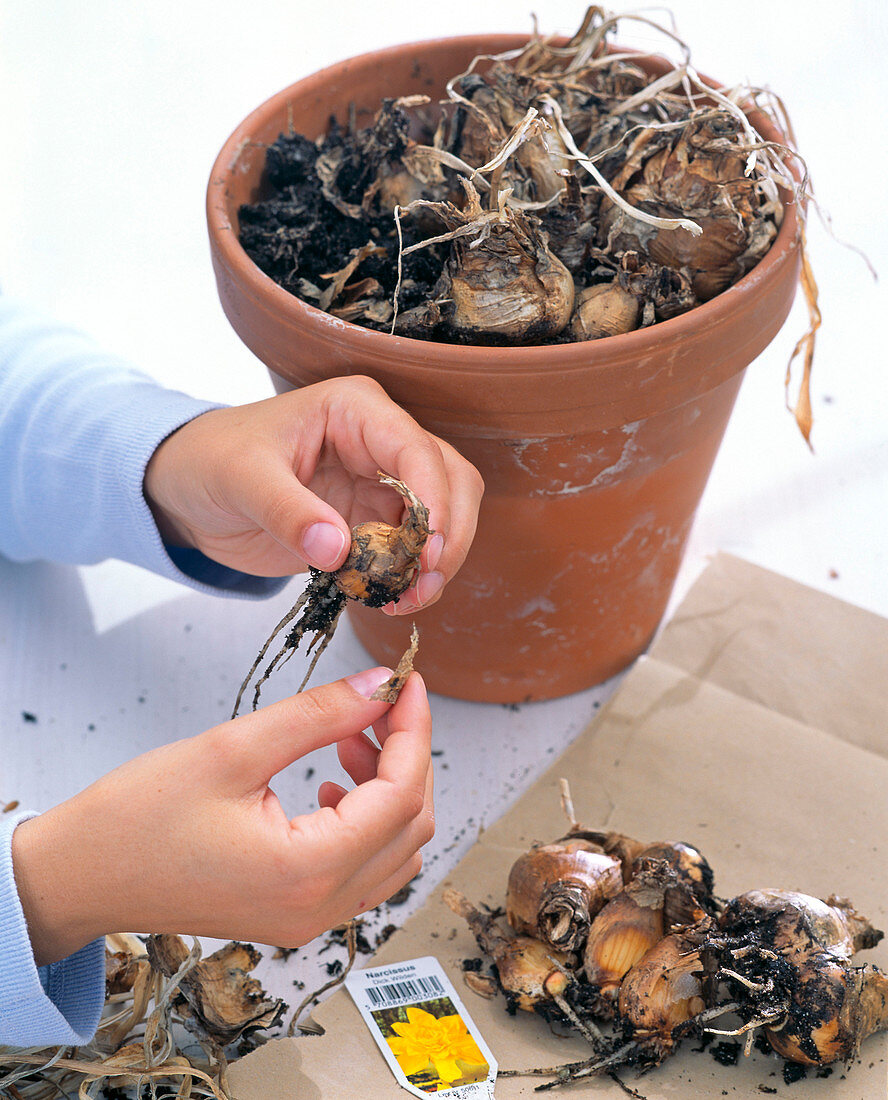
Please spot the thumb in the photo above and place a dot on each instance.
(296, 518)
(253, 748)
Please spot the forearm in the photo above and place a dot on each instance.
(77, 430)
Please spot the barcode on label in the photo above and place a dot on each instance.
(414, 989)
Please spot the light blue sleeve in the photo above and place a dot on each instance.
(77, 428)
(59, 1004)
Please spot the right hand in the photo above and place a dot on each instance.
(189, 838)
(273, 486)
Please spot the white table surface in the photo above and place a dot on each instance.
(112, 114)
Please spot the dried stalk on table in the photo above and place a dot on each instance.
(154, 995)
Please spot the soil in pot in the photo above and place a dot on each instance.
(560, 194)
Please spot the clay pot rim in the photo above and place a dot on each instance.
(466, 358)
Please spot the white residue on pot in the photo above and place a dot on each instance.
(628, 454)
(532, 606)
(652, 575)
(566, 490)
(639, 533)
(333, 322)
(518, 447)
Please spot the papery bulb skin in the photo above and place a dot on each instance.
(531, 973)
(509, 289)
(620, 936)
(383, 560)
(554, 891)
(664, 989)
(798, 923)
(834, 1007)
(604, 310)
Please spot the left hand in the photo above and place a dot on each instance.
(271, 487)
(191, 838)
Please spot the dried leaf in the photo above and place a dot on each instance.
(391, 689)
(223, 1001)
(805, 347)
(341, 277)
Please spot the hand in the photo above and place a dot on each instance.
(270, 487)
(189, 838)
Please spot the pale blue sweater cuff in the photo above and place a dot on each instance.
(55, 1005)
(77, 428)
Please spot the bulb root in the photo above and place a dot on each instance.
(382, 563)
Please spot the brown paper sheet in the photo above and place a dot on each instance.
(755, 729)
(791, 648)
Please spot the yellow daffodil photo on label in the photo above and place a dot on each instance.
(432, 1045)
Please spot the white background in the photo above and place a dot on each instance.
(112, 113)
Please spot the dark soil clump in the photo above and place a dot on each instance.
(298, 236)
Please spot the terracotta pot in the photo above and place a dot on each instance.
(594, 455)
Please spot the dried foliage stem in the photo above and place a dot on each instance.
(351, 935)
(805, 347)
(152, 1059)
(640, 215)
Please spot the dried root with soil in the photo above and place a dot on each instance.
(382, 563)
(626, 943)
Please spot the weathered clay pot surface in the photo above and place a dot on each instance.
(594, 455)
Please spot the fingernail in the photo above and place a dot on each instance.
(322, 545)
(428, 586)
(365, 683)
(436, 546)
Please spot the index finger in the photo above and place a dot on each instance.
(254, 747)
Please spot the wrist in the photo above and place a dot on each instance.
(158, 473)
(55, 893)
